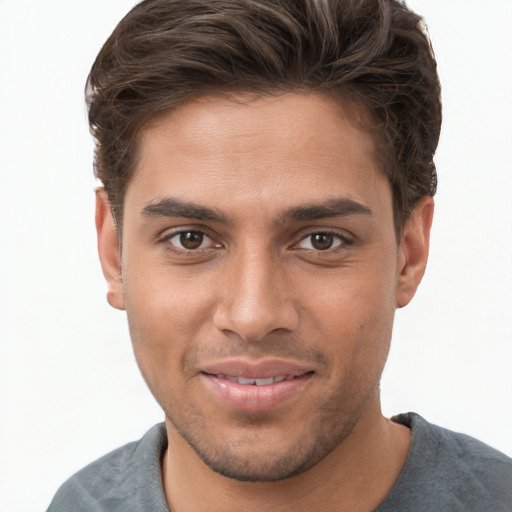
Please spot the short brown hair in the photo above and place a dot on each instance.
(373, 53)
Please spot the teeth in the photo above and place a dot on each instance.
(242, 380)
(264, 382)
(255, 382)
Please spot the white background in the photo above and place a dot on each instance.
(69, 388)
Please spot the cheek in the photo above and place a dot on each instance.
(354, 318)
(165, 316)
(165, 301)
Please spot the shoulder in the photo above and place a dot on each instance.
(446, 470)
(458, 452)
(118, 480)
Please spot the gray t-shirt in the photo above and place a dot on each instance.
(444, 472)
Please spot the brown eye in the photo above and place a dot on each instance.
(189, 240)
(322, 241)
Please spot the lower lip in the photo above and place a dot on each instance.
(251, 398)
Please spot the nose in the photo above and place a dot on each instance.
(255, 298)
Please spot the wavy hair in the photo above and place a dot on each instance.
(372, 53)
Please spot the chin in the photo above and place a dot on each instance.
(253, 457)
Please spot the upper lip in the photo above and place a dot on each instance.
(260, 369)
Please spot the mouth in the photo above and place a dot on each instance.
(257, 387)
(254, 381)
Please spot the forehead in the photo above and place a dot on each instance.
(264, 154)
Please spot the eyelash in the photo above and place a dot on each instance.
(166, 239)
(343, 241)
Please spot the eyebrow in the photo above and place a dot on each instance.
(173, 207)
(340, 207)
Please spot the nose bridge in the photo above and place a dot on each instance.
(255, 300)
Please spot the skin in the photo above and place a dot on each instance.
(262, 277)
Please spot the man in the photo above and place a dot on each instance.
(266, 206)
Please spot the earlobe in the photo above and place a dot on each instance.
(413, 251)
(108, 249)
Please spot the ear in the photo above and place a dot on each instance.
(413, 251)
(108, 249)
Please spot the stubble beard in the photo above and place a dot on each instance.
(245, 463)
(249, 457)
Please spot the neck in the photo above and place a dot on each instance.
(355, 477)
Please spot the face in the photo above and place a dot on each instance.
(260, 272)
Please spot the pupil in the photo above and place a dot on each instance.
(322, 241)
(191, 239)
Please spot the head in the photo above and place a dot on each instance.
(373, 55)
(268, 166)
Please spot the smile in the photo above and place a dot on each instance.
(244, 381)
(263, 391)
